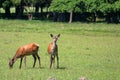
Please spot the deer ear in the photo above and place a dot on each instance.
(58, 35)
(51, 35)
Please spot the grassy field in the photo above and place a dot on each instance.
(90, 50)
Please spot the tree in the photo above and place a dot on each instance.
(20, 6)
(1, 1)
(116, 9)
(92, 7)
(109, 9)
(6, 6)
(41, 4)
(66, 6)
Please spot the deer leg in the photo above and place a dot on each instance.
(57, 61)
(25, 61)
(34, 60)
(39, 60)
(51, 61)
(20, 63)
(54, 61)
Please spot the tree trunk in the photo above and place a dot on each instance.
(108, 18)
(16, 10)
(55, 16)
(36, 8)
(30, 16)
(7, 11)
(94, 17)
(47, 9)
(115, 17)
(41, 9)
(41, 15)
(119, 16)
(19, 11)
(71, 17)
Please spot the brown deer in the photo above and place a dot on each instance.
(53, 50)
(23, 51)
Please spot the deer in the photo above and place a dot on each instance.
(23, 51)
(53, 50)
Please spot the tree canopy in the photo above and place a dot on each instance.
(106, 7)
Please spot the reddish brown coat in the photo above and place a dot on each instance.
(23, 51)
(50, 48)
(53, 50)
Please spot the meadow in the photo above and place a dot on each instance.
(90, 50)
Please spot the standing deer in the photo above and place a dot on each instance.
(23, 51)
(53, 50)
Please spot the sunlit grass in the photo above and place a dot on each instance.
(85, 50)
(74, 28)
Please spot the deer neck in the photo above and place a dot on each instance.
(15, 57)
(54, 44)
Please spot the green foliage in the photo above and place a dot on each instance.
(92, 5)
(1, 1)
(16, 2)
(105, 6)
(66, 5)
(7, 3)
(109, 6)
(116, 6)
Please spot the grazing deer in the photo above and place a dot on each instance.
(53, 50)
(23, 51)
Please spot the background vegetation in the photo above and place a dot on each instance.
(88, 50)
(64, 10)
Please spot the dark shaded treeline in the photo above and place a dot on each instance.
(64, 17)
(95, 10)
(20, 7)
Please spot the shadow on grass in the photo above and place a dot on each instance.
(35, 68)
(62, 68)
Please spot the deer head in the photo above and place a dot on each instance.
(55, 38)
(11, 62)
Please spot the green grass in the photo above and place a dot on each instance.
(89, 50)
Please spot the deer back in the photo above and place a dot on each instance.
(27, 50)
